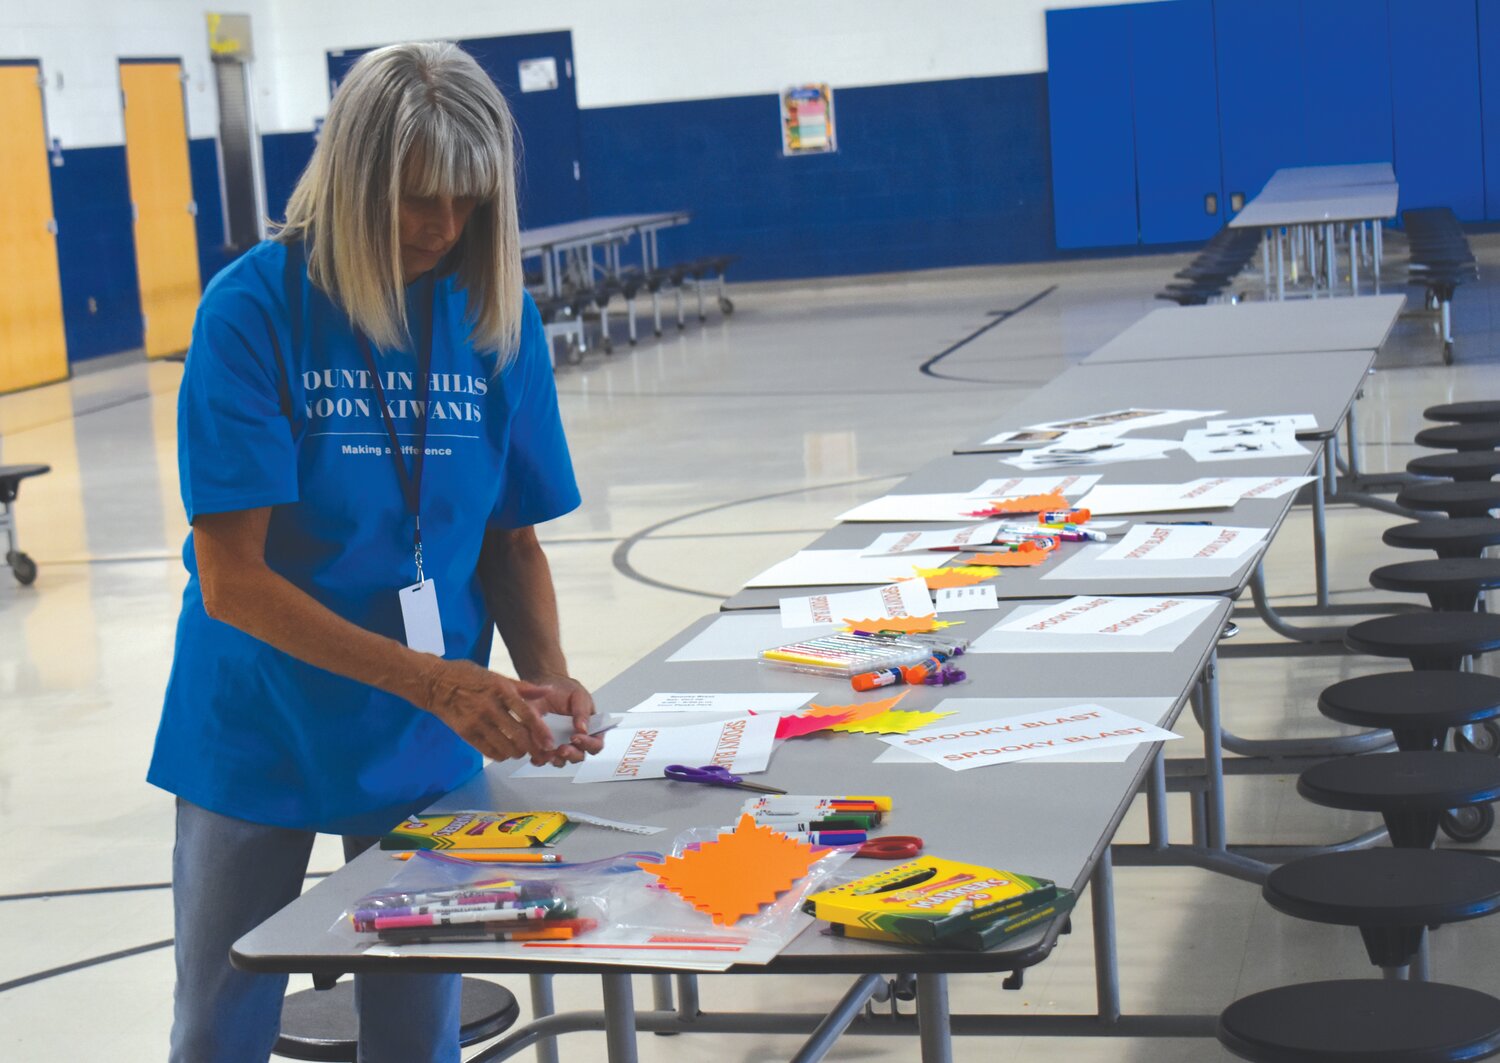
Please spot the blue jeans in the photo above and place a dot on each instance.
(229, 875)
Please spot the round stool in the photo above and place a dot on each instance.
(1418, 708)
(322, 1023)
(1411, 791)
(1362, 1021)
(1451, 584)
(1453, 537)
(1481, 436)
(1430, 641)
(1392, 895)
(1464, 412)
(1457, 465)
(1470, 498)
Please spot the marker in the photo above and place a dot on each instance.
(513, 915)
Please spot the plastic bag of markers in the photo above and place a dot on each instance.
(437, 899)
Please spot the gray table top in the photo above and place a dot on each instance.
(1359, 173)
(1323, 384)
(1056, 819)
(1050, 580)
(1299, 326)
(585, 230)
(1316, 206)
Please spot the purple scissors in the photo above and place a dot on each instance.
(715, 775)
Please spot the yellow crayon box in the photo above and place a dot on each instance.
(476, 830)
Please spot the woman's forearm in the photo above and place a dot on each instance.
(517, 584)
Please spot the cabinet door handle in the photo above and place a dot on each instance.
(1211, 203)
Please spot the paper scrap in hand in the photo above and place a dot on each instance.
(1011, 738)
(907, 598)
(737, 873)
(742, 745)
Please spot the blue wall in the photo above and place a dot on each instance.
(96, 252)
(283, 155)
(944, 173)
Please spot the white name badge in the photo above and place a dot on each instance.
(419, 612)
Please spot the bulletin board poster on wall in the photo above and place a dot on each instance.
(807, 120)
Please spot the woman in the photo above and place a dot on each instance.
(368, 432)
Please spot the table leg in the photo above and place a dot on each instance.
(1265, 260)
(1354, 253)
(542, 1005)
(934, 1030)
(1106, 965)
(1320, 527)
(1213, 757)
(619, 1018)
(1280, 269)
(1377, 236)
(1330, 246)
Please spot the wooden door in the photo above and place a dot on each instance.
(161, 195)
(33, 349)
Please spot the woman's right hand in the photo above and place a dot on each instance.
(486, 710)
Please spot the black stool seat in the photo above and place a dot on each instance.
(1457, 465)
(1428, 640)
(1485, 435)
(1410, 790)
(1453, 537)
(1450, 583)
(1363, 1021)
(1466, 499)
(12, 475)
(1417, 707)
(1386, 887)
(322, 1023)
(1464, 412)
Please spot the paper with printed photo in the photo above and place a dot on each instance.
(1283, 422)
(1096, 450)
(1232, 446)
(1155, 543)
(1123, 420)
(1024, 437)
(907, 598)
(742, 745)
(973, 537)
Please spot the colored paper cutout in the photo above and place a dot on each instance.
(1024, 504)
(797, 726)
(1011, 559)
(891, 723)
(910, 625)
(956, 575)
(861, 711)
(736, 873)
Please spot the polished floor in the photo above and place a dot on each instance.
(703, 458)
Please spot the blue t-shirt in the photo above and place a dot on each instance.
(249, 731)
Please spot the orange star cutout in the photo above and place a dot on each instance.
(855, 713)
(1011, 559)
(735, 874)
(1025, 504)
(909, 625)
(891, 723)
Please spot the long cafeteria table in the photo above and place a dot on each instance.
(608, 231)
(1059, 820)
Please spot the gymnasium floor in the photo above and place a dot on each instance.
(702, 458)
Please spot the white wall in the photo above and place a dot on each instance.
(626, 51)
(80, 43)
(645, 51)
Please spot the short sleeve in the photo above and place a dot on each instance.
(539, 484)
(234, 441)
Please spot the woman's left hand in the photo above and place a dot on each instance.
(564, 696)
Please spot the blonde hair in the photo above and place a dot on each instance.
(421, 120)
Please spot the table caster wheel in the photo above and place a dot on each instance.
(22, 567)
(1481, 737)
(1467, 825)
(726, 304)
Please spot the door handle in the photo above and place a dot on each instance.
(1211, 203)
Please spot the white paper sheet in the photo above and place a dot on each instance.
(741, 637)
(740, 704)
(1281, 422)
(1154, 543)
(1069, 486)
(1164, 639)
(1258, 486)
(1226, 446)
(892, 508)
(819, 568)
(1113, 499)
(907, 598)
(1028, 736)
(1123, 420)
(1085, 564)
(741, 745)
(1129, 617)
(1097, 451)
(1024, 438)
(971, 599)
(974, 537)
(972, 710)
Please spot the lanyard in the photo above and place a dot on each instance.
(410, 481)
